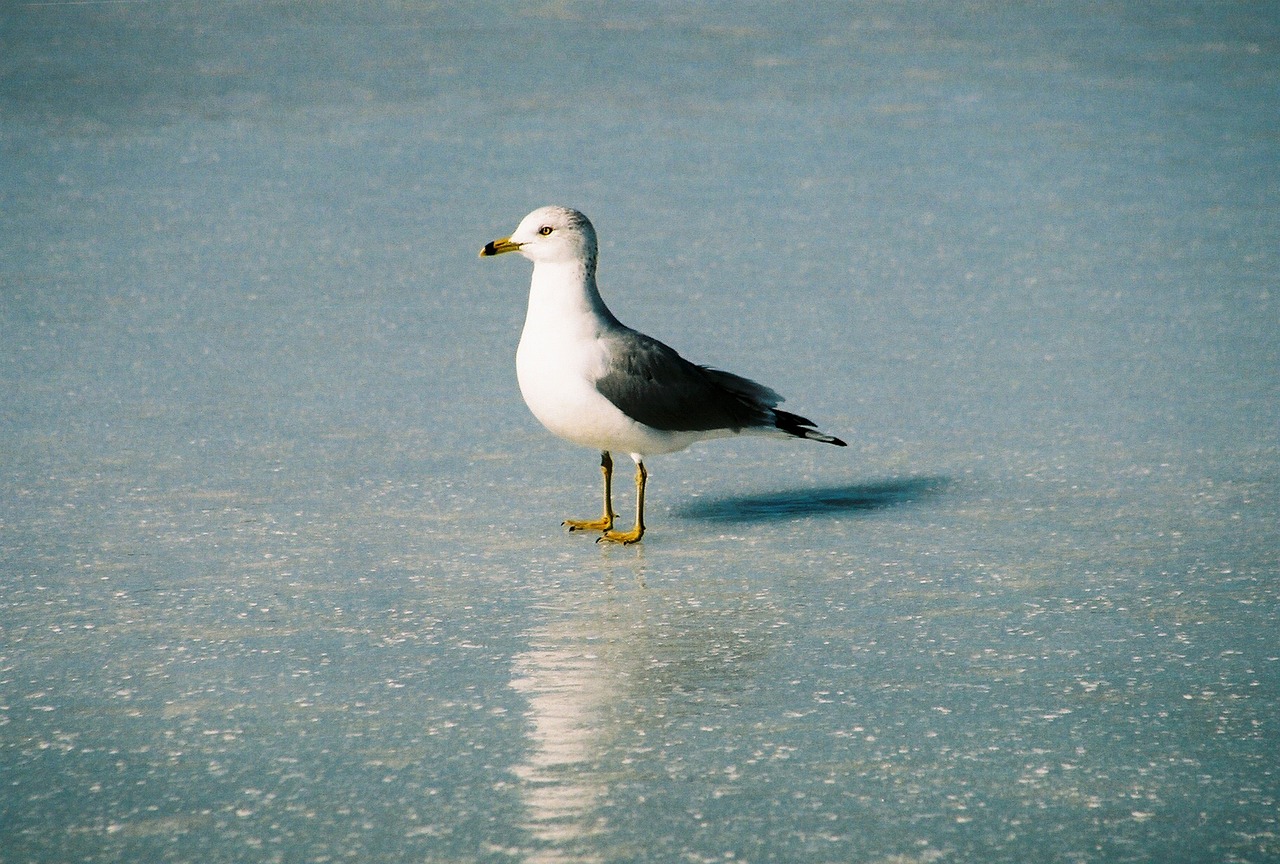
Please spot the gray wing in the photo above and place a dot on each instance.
(653, 385)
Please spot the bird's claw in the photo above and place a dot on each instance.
(622, 538)
(602, 524)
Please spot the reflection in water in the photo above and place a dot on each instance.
(607, 673)
(567, 688)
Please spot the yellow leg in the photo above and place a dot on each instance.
(605, 522)
(637, 532)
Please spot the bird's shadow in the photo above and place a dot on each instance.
(819, 501)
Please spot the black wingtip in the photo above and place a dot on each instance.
(815, 435)
(794, 424)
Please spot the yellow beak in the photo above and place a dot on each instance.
(497, 247)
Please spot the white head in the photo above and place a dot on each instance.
(552, 235)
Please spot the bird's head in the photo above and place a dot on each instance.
(554, 235)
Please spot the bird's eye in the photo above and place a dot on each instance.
(545, 230)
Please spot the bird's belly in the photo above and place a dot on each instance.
(558, 386)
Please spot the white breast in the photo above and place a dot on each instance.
(556, 376)
(562, 355)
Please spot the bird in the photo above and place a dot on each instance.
(591, 380)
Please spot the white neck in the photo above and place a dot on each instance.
(564, 294)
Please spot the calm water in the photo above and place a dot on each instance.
(282, 572)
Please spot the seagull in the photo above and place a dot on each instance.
(594, 381)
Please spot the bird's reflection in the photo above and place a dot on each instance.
(563, 679)
(604, 675)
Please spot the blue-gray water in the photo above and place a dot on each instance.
(283, 578)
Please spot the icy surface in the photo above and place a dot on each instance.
(283, 578)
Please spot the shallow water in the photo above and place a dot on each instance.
(283, 577)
